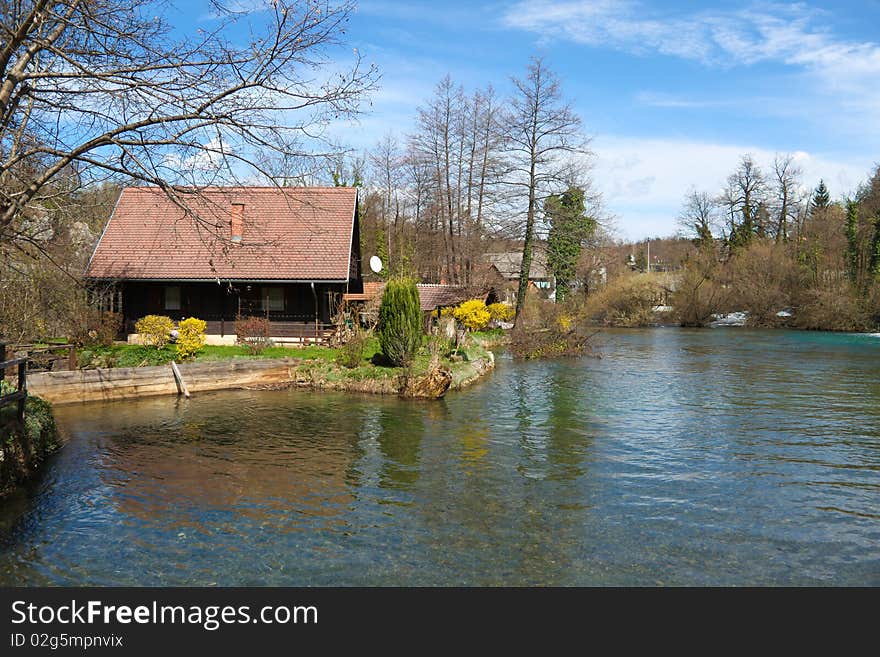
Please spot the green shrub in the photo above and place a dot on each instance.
(96, 358)
(125, 355)
(351, 353)
(400, 322)
(191, 337)
(155, 330)
(473, 314)
(22, 448)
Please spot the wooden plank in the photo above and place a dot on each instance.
(12, 396)
(122, 383)
(178, 378)
(11, 363)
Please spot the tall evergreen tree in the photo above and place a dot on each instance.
(570, 227)
(821, 198)
(875, 251)
(382, 251)
(852, 240)
(400, 322)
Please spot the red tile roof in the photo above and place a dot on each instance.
(291, 233)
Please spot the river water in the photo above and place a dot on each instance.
(680, 457)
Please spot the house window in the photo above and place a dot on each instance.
(172, 297)
(274, 297)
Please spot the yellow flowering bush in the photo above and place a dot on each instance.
(564, 321)
(473, 314)
(155, 330)
(191, 337)
(500, 312)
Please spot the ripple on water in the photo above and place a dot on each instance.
(681, 457)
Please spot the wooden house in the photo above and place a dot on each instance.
(287, 254)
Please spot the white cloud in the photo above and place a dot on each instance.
(643, 180)
(788, 34)
(778, 32)
(208, 157)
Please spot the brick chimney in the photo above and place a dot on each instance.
(237, 227)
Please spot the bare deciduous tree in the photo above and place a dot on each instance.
(106, 88)
(744, 194)
(542, 136)
(386, 163)
(787, 176)
(698, 215)
(457, 144)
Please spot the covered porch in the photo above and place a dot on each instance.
(298, 312)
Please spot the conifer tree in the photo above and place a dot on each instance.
(382, 251)
(852, 241)
(875, 251)
(570, 227)
(400, 321)
(821, 198)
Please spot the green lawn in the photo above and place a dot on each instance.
(131, 355)
(319, 363)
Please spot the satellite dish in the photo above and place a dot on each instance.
(376, 264)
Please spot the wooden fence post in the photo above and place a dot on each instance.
(22, 387)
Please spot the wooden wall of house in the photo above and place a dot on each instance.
(213, 302)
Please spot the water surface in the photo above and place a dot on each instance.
(680, 457)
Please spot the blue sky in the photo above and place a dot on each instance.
(672, 93)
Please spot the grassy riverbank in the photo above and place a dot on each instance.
(490, 338)
(132, 355)
(318, 367)
(24, 447)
